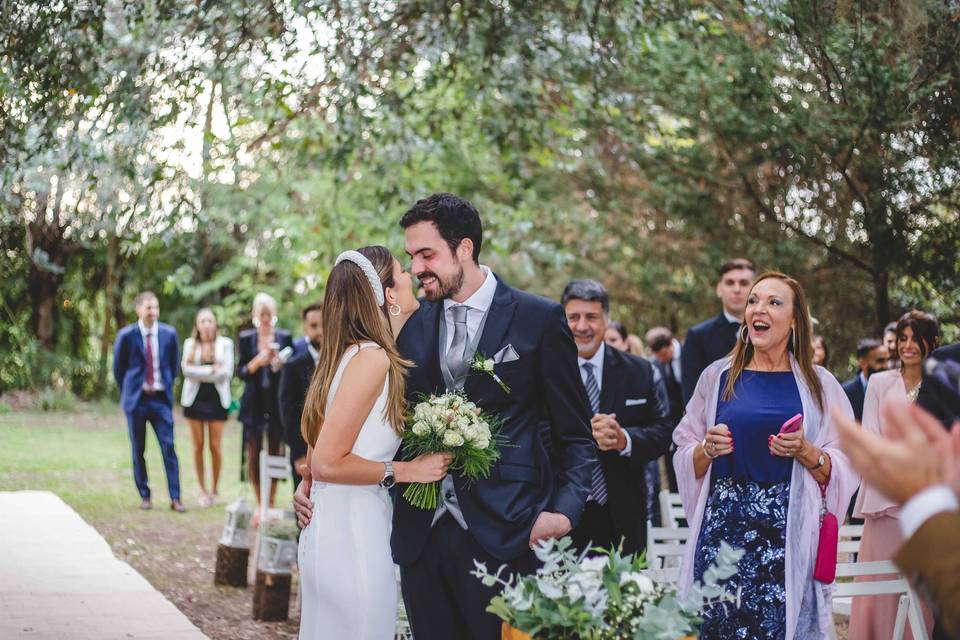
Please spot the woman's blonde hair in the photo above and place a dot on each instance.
(197, 343)
(800, 343)
(351, 316)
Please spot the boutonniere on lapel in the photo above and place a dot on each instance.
(485, 365)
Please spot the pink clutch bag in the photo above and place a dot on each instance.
(825, 568)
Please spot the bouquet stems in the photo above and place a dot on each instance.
(423, 495)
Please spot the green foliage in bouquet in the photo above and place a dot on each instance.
(605, 597)
(450, 423)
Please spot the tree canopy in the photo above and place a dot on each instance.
(209, 150)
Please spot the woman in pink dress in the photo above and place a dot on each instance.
(874, 616)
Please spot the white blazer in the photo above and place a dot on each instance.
(194, 373)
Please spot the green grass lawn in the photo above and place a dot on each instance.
(84, 457)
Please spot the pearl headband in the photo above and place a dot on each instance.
(366, 266)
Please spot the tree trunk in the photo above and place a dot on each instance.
(881, 298)
(44, 280)
(109, 313)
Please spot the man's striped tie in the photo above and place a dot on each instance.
(598, 490)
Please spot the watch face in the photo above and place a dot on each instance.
(388, 482)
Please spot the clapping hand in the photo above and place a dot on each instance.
(607, 432)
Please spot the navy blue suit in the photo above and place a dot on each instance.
(442, 599)
(856, 392)
(705, 343)
(129, 370)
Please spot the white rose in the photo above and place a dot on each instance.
(463, 423)
(488, 365)
(439, 426)
(595, 564)
(481, 442)
(421, 428)
(643, 582)
(452, 439)
(470, 433)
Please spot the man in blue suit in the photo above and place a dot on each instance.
(146, 361)
(714, 338)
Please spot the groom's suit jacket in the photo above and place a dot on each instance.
(545, 387)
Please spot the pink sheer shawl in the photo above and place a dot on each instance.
(803, 514)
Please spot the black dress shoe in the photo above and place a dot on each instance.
(146, 504)
(177, 506)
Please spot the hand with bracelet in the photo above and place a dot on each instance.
(718, 442)
(795, 445)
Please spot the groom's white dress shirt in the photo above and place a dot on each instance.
(477, 306)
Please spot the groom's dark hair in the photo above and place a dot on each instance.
(454, 217)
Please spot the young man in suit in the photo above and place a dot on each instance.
(714, 338)
(872, 356)
(146, 361)
(294, 382)
(629, 423)
(467, 311)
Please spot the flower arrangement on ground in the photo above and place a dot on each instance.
(603, 597)
(450, 423)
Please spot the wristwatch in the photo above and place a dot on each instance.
(820, 462)
(388, 479)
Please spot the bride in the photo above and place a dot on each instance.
(352, 418)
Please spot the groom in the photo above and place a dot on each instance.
(468, 311)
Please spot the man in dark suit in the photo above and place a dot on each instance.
(528, 497)
(146, 361)
(872, 356)
(714, 338)
(630, 425)
(935, 395)
(294, 382)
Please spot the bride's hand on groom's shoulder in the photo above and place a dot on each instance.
(429, 467)
(549, 525)
(301, 498)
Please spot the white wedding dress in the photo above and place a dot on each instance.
(347, 576)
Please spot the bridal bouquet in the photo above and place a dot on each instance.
(606, 597)
(450, 423)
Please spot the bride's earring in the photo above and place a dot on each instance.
(395, 310)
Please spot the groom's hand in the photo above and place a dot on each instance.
(301, 497)
(549, 525)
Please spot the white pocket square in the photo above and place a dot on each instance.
(635, 401)
(507, 354)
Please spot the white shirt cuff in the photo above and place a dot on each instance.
(925, 505)
(627, 450)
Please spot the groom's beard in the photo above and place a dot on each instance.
(444, 288)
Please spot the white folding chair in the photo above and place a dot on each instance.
(271, 468)
(892, 583)
(665, 546)
(671, 510)
(848, 545)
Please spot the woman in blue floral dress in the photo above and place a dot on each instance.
(744, 474)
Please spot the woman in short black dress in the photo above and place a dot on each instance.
(207, 369)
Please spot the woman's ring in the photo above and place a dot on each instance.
(713, 447)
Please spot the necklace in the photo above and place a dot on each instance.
(912, 394)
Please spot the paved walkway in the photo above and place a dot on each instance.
(59, 579)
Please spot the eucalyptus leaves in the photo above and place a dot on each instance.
(606, 597)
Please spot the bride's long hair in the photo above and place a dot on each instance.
(351, 316)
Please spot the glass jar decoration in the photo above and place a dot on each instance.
(236, 527)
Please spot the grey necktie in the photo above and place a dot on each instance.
(598, 488)
(458, 347)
